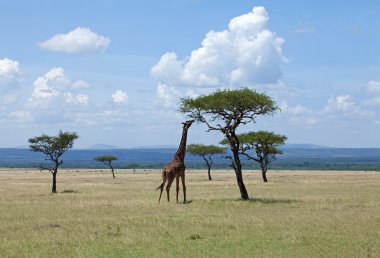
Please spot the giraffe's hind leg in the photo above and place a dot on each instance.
(162, 187)
(170, 181)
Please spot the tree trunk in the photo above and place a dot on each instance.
(239, 175)
(264, 174)
(209, 173)
(208, 167)
(113, 174)
(54, 187)
(264, 169)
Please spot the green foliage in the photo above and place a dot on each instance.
(263, 138)
(264, 142)
(202, 150)
(106, 158)
(133, 165)
(264, 145)
(205, 150)
(224, 110)
(53, 146)
(231, 106)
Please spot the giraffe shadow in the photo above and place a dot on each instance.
(185, 203)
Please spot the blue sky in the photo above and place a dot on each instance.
(114, 71)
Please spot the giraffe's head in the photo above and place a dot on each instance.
(187, 124)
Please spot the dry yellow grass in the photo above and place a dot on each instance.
(296, 214)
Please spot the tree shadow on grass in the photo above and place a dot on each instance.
(271, 200)
(258, 200)
(70, 191)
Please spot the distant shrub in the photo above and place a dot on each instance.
(194, 237)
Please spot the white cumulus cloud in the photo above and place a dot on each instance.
(48, 85)
(52, 101)
(9, 68)
(244, 54)
(346, 105)
(167, 95)
(298, 109)
(80, 99)
(295, 110)
(79, 40)
(373, 102)
(52, 90)
(373, 87)
(305, 28)
(20, 116)
(81, 85)
(340, 102)
(120, 97)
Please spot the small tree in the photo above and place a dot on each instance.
(264, 145)
(206, 152)
(53, 147)
(107, 160)
(133, 166)
(225, 111)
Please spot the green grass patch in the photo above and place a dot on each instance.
(296, 214)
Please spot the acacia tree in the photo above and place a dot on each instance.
(224, 111)
(133, 166)
(206, 152)
(53, 147)
(264, 145)
(107, 160)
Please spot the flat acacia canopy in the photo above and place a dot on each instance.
(263, 140)
(106, 158)
(232, 106)
(200, 149)
(53, 146)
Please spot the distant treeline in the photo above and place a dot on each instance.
(321, 159)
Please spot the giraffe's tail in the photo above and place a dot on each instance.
(160, 187)
(163, 181)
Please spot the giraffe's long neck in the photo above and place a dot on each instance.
(180, 154)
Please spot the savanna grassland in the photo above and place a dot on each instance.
(296, 214)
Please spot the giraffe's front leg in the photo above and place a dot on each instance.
(183, 187)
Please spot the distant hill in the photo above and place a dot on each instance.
(156, 147)
(101, 146)
(293, 157)
(303, 146)
(20, 147)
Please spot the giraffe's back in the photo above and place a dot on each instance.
(174, 166)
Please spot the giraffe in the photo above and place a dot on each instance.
(176, 168)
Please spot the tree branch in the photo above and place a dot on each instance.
(49, 169)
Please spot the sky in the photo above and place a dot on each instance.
(114, 71)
